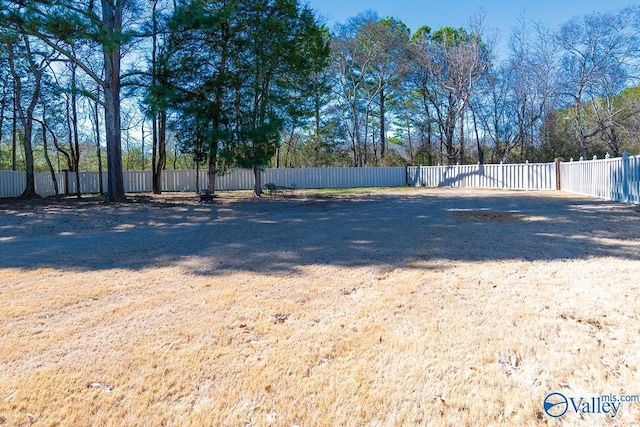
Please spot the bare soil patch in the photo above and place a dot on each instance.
(389, 307)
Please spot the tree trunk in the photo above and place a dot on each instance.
(429, 145)
(448, 142)
(46, 153)
(159, 154)
(112, 25)
(475, 127)
(450, 128)
(2, 108)
(365, 133)
(410, 142)
(160, 150)
(197, 176)
(461, 136)
(175, 156)
(76, 139)
(26, 117)
(357, 155)
(98, 144)
(154, 153)
(578, 123)
(425, 103)
(317, 105)
(142, 142)
(30, 189)
(14, 130)
(383, 133)
(211, 173)
(257, 181)
(614, 144)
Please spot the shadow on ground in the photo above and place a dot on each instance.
(386, 230)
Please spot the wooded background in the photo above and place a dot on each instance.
(221, 84)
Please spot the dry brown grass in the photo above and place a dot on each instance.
(413, 307)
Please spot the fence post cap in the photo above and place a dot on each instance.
(571, 160)
(625, 154)
(581, 159)
(607, 156)
(595, 157)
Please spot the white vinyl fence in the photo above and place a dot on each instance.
(528, 176)
(13, 183)
(610, 179)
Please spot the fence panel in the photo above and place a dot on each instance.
(12, 183)
(45, 185)
(337, 177)
(610, 179)
(529, 176)
(90, 182)
(178, 180)
(631, 178)
(236, 179)
(138, 181)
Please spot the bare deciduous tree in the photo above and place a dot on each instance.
(598, 49)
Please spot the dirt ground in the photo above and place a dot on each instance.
(394, 307)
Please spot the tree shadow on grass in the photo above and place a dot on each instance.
(385, 230)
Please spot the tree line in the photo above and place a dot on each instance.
(221, 84)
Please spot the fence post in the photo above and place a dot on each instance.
(558, 160)
(625, 178)
(66, 182)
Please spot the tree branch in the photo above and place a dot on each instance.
(71, 58)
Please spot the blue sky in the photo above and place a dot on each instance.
(500, 14)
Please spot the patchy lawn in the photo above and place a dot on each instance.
(394, 308)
